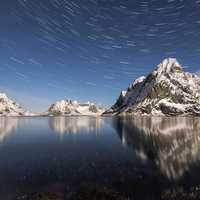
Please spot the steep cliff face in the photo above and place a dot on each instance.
(68, 107)
(9, 107)
(168, 90)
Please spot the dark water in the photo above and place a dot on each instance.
(99, 158)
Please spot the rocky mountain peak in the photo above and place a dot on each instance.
(168, 65)
(168, 90)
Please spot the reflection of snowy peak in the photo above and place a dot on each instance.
(168, 90)
(172, 143)
(68, 107)
(7, 126)
(10, 108)
(76, 125)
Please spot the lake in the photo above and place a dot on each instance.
(61, 158)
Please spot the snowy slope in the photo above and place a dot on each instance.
(9, 107)
(68, 107)
(168, 90)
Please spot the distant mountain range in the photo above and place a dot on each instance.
(9, 107)
(69, 107)
(167, 91)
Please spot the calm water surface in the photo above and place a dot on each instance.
(98, 158)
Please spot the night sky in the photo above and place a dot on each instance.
(89, 50)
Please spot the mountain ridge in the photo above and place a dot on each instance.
(166, 91)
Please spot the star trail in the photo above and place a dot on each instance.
(91, 49)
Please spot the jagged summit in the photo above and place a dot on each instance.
(69, 107)
(168, 90)
(168, 65)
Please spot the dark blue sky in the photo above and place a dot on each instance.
(91, 49)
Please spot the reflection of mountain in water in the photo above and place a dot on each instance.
(7, 126)
(75, 125)
(173, 144)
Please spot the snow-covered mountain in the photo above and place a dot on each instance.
(168, 90)
(9, 107)
(69, 107)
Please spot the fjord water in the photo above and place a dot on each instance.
(98, 158)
